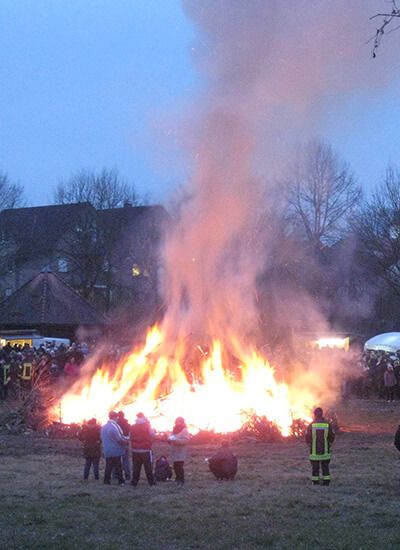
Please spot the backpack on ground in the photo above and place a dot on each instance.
(162, 469)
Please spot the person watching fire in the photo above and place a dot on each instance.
(90, 437)
(114, 444)
(179, 440)
(390, 382)
(320, 436)
(125, 427)
(142, 437)
(223, 464)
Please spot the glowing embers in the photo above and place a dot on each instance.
(216, 394)
(333, 342)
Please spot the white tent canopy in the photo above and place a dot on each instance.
(389, 341)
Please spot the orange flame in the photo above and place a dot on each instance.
(220, 399)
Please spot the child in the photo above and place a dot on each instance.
(179, 440)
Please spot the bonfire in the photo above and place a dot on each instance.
(215, 389)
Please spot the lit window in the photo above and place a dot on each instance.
(136, 271)
(8, 292)
(62, 265)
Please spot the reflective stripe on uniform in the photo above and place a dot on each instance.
(6, 375)
(320, 425)
(314, 427)
(26, 371)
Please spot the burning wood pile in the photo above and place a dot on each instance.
(217, 391)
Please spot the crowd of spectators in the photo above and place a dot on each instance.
(20, 366)
(381, 375)
(378, 371)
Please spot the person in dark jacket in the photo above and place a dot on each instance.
(125, 427)
(223, 464)
(389, 380)
(90, 436)
(142, 437)
(397, 439)
(320, 436)
(162, 469)
(5, 378)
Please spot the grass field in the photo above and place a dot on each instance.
(44, 503)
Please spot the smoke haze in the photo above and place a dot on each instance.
(269, 68)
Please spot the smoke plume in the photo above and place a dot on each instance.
(269, 68)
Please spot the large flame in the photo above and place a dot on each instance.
(255, 102)
(215, 396)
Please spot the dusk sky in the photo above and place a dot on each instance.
(94, 83)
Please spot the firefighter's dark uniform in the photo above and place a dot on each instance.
(320, 436)
(26, 373)
(5, 380)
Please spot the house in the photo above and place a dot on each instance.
(50, 306)
(29, 241)
(108, 256)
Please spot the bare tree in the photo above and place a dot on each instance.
(321, 192)
(387, 25)
(89, 246)
(82, 248)
(11, 194)
(105, 189)
(378, 228)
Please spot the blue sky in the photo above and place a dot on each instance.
(91, 83)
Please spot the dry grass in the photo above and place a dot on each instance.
(45, 504)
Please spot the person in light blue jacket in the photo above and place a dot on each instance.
(114, 445)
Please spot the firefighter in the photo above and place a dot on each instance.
(320, 437)
(4, 379)
(26, 373)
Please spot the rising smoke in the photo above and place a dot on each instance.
(270, 69)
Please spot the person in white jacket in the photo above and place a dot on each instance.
(179, 440)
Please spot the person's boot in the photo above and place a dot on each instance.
(326, 482)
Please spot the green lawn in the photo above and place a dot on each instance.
(45, 504)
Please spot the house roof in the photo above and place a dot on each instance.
(135, 228)
(37, 229)
(129, 215)
(48, 300)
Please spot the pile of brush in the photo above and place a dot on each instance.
(29, 410)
